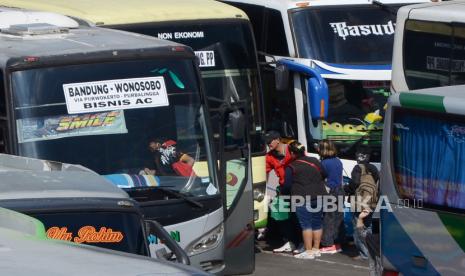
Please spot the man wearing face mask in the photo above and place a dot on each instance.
(362, 156)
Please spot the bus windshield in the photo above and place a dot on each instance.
(120, 231)
(118, 135)
(355, 114)
(355, 34)
(430, 65)
(228, 63)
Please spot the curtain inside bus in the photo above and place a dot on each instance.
(429, 157)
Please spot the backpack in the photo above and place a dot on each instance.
(368, 187)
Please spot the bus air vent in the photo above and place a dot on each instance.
(12, 16)
(34, 29)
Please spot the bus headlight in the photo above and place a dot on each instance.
(259, 192)
(206, 242)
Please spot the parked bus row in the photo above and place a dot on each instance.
(75, 93)
(103, 105)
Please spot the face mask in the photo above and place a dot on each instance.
(362, 157)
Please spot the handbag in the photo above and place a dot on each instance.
(279, 208)
(183, 169)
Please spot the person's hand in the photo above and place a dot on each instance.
(149, 171)
(186, 158)
(364, 213)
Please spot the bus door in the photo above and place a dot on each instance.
(236, 182)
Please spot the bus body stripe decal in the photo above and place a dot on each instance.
(421, 101)
(398, 247)
(455, 225)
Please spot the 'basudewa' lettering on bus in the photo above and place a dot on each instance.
(343, 30)
(86, 234)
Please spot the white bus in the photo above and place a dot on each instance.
(423, 177)
(429, 46)
(28, 251)
(96, 97)
(229, 72)
(348, 43)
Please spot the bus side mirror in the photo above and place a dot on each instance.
(155, 228)
(318, 96)
(281, 74)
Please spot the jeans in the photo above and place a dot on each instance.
(309, 220)
(333, 223)
(358, 240)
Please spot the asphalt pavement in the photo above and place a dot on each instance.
(269, 263)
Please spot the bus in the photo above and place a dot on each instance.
(79, 206)
(96, 97)
(229, 71)
(26, 250)
(347, 44)
(438, 28)
(422, 178)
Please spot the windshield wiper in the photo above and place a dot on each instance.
(181, 196)
(359, 141)
(384, 7)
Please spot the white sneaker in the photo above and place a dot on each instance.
(316, 252)
(299, 249)
(305, 255)
(287, 247)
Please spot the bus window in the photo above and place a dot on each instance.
(229, 74)
(349, 104)
(280, 110)
(256, 17)
(2, 97)
(3, 121)
(428, 157)
(429, 65)
(123, 230)
(275, 36)
(322, 33)
(109, 141)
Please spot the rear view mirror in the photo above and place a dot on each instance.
(317, 93)
(155, 228)
(317, 88)
(237, 124)
(281, 74)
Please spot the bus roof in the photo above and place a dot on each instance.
(448, 99)
(26, 178)
(43, 40)
(26, 252)
(120, 12)
(450, 11)
(293, 4)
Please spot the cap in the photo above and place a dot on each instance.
(270, 136)
(169, 143)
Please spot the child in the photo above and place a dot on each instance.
(333, 222)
